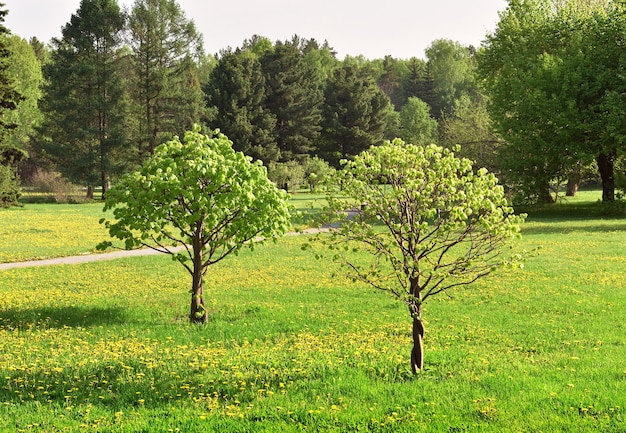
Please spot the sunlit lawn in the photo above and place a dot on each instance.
(38, 231)
(292, 347)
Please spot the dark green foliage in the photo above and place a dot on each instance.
(355, 114)
(9, 96)
(84, 101)
(558, 101)
(9, 100)
(294, 97)
(390, 82)
(419, 83)
(236, 89)
(166, 89)
(9, 187)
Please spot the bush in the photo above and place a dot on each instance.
(315, 170)
(286, 175)
(54, 187)
(9, 187)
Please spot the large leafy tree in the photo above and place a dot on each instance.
(84, 102)
(10, 97)
(167, 48)
(202, 196)
(429, 222)
(236, 90)
(450, 65)
(556, 99)
(355, 113)
(294, 97)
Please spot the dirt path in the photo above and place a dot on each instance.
(84, 258)
(97, 257)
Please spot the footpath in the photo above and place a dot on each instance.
(96, 257)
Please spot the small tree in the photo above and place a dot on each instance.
(315, 170)
(429, 222)
(200, 195)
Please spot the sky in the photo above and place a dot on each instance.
(374, 29)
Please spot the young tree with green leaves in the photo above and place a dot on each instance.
(84, 97)
(167, 92)
(428, 221)
(199, 195)
(416, 124)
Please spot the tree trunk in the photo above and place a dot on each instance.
(606, 168)
(198, 313)
(572, 188)
(90, 192)
(546, 195)
(572, 182)
(417, 354)
(106, 183)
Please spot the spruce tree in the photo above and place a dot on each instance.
(355, 114)
(167, 92)
(294, 97)
(236, 90)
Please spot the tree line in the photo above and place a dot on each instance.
(117, 83)
(538, 103)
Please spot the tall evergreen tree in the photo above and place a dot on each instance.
(84, 96)
(9, 100)
(236, 89)
(419, 83)
(355, 114)
(390, 81)
(294, 97)
(167, 48)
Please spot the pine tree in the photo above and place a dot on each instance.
(9, 100)
(84, 99)
(167, 91)
(355, 114)
(236, 90)
(9, 96)
(294, 97)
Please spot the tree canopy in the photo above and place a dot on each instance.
(200, 195)
(557, 99)
(444, 224)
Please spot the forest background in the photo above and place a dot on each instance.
(538, 103)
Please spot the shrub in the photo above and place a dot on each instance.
(51, 184)
(9, 187)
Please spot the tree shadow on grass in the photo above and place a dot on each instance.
(61, 317)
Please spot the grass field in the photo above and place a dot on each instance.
(292, 347)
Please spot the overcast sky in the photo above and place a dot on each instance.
(401, 28)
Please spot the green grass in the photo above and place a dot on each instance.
(291, 347)
(39, 231)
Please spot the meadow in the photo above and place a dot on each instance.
(292, 346)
